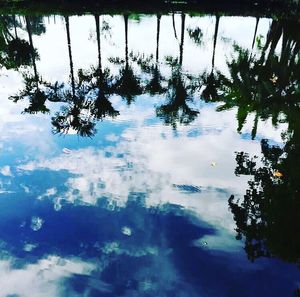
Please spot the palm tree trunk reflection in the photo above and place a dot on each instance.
(70, 55)
(182, 39)
(28, 26)
(215, 41)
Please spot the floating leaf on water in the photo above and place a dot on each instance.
(277, 174)
(126, 231)
(67, 151)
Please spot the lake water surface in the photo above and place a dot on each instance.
(149, 155)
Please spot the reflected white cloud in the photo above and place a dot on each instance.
(36, 223)
(192, 168)
(43, 279)
(153, 160)
(5, 170)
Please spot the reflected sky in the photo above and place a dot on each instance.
(141, 208)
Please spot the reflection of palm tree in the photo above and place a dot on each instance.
(154, 86)
(15, 52)
(182, 39)
(174, 26)
(19, 53)
(15, 26)
(177, 109)
(102, 107)
(5, 23)
(255, 32)
(87, 101)
(215, 42)
(158, 17)
(97, 17)
(285, 31)
(127, 85)
(28, 26)
(70, 55)
(266, 84)
(75, 116)
(181, 43)
(210, 80)
(36, 90)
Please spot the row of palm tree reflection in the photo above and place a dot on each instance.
(261, 81)
(86, 99)
(87, 96)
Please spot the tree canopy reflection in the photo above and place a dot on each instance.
(127, 84)
(14, 51)
(268, 215)
(180, 90)
(88, 98)
(261, 79)
(36, 91)
(266, 83)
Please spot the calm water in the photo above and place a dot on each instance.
(148, 155)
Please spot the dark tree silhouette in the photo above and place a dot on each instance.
(196, 35)
(268, 215)
(14, 52)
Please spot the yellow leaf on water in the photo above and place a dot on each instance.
(277, 174)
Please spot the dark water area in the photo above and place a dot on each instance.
(149, 155)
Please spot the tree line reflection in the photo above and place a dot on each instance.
(261, 80)
(86, 95)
